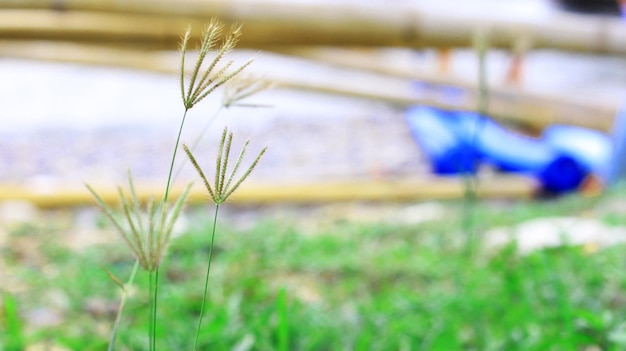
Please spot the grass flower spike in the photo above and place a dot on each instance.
(206, 77)
(243, 87)
(146, 231)
(224, 186)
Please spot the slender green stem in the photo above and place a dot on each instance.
(169, 176)
(151, 304)
(120, 309)
(470, 194)
(199, 138)
(471, 181)
(154, 276)
(154, 308)
(206, 279)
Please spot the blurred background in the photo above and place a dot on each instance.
(361, 215)
(89, 88)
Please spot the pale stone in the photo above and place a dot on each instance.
(4, 238)
(556, 231)
(44, 346)
(16, 212)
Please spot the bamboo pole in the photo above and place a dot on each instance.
(92, 54)
(371, 60)
(523, 108)
(159, 24)
(530, 113)
(505, 186)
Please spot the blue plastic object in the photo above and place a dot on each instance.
(439, 136)
(590, 147)
(557, 171)
(456, 142)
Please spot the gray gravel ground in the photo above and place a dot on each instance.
(370, 141)
(72, 123)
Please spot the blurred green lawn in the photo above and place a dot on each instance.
(339, 285)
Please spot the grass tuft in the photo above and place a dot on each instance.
(146, 230)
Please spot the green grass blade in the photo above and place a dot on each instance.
(14, 333)
(122, 305)
(283, 321)
(114, 278)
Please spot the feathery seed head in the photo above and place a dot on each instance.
(224, 184)
(205, 77)
(242, 87)
(145, 230)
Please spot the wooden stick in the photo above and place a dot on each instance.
(159, 24)
(505, 186)
(92, 54)
(511, 105)
(533, 114)
(372, 60)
